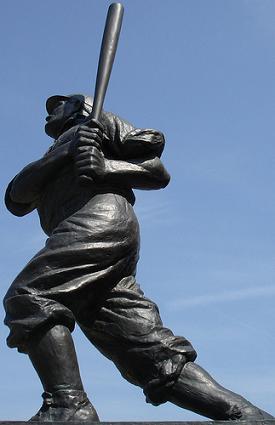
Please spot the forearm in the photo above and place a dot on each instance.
(27, 185)
(148, 174)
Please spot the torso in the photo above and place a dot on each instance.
(64, 195)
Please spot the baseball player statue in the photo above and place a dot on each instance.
(82, 189)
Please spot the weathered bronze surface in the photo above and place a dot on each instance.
(82, 189)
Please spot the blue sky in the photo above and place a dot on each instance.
(203, 73)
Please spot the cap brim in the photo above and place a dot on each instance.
(52, 102)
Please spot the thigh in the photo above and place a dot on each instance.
(129, 331)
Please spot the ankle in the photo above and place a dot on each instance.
(64, 397)
(68, 398)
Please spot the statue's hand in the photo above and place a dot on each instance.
(86, 152)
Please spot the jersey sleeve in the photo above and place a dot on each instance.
(16, 208)
(128, 142)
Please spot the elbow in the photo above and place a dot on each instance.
(162, 177)
(16, 208)
(22, 194)
(164, 180)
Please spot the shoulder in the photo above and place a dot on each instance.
(113, 123)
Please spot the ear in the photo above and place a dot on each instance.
(78, 104)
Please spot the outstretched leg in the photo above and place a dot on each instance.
(54, 358)
(196, 390)
(129, 331)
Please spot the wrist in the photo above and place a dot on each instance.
(109, 170)
(60, 153)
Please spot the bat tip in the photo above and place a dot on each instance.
(117, 6)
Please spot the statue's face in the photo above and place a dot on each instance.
(63, 110)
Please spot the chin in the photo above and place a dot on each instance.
(50, 130)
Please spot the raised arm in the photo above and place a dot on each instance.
(146, 173)
(137, 174)
(132, 156)
(24, 190)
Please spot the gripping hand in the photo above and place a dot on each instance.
(86, 152)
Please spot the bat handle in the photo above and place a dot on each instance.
(94, 123)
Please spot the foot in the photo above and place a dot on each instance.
(248, 411)
(66, 405)
(196, 390)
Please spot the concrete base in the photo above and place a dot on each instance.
(263, 422)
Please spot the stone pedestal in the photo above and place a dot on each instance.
(263, 422)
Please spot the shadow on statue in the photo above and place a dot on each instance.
(82, 189)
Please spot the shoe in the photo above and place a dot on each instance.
(197, 391)
(248, 412)
(67, 406)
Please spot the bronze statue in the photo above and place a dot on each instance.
(82, 189)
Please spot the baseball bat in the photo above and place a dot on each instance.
(105, 64)
(107, 56)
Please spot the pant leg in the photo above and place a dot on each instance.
(129, 331)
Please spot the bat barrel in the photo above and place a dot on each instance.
(107, 55)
